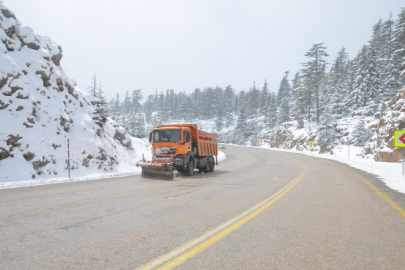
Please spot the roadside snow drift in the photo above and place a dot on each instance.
(41, 108)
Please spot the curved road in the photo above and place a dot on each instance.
(260, 209)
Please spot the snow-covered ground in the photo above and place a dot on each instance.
(128, 168)
(389, 173)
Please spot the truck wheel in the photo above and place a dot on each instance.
(190, 167)
(212, 164)
(207, 167)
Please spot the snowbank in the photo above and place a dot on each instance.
(389, 173)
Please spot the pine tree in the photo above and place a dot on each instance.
(313, 73)
(93, 87)
(219, 123)
(127, 104)
(390, 75)
(326, 132)
(136, 98)
(157, 119)
(361, 134)
(399, 54)
(100, 112)
(264, 96)
(272, 116)
(252, 102)
(229, 119)
(338, 81)
(136, 125)
(284, 101)
(367, 79)
(242, 120)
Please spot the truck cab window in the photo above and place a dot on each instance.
(186, 136)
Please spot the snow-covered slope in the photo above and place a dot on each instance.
(381, 145)
(41, 108)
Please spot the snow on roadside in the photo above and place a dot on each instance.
(126, 169)
(389, 173)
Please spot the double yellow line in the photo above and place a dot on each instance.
(192, 248)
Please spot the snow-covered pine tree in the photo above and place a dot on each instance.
(130, 125)
(252, 102)
(390, 75)
(337, 81)
(93, 87)
(285, 92)
(100, 112)
(298, 95)
(229, 99)
(136, 98)
(219, 122)
(272, 115)
(361, 134)
(295, 83)
(137, 125)
(242, 120)
(326, 132)
(113, 113)
(399, 54)
(367, 80)
(264, 96)
(229, 119)
(127, 104)
(157, 119)
(313, 73)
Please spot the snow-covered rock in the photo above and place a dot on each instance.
(41, 108)
(381, 145)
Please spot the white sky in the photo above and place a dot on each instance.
(184, 44)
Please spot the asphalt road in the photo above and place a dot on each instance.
(260, 209)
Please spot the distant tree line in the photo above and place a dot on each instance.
(320, 92)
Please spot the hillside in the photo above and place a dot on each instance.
(41, 108)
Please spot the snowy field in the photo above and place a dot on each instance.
(389, 173)
(82, 175)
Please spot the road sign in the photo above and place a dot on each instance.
(399, 138)
(311, 143)
(259, 141)
(399, 141)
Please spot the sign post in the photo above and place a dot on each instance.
(68, 147)
(399, 141)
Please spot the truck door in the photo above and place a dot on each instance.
(187, 137)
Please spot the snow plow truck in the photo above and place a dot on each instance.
(181, 147)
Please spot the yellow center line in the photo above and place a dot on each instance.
(192, 248)
(382, 194)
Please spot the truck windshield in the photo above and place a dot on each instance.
(167, 135)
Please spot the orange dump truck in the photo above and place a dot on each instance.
(180, 147)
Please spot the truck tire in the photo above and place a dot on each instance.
(190, 167)
(207, 167)
(212, 164)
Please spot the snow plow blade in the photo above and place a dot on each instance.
(156, 169)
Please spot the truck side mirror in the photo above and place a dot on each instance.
(150, 137)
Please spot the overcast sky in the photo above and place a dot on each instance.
(184, 44)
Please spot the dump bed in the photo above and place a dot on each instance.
(206, 143)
